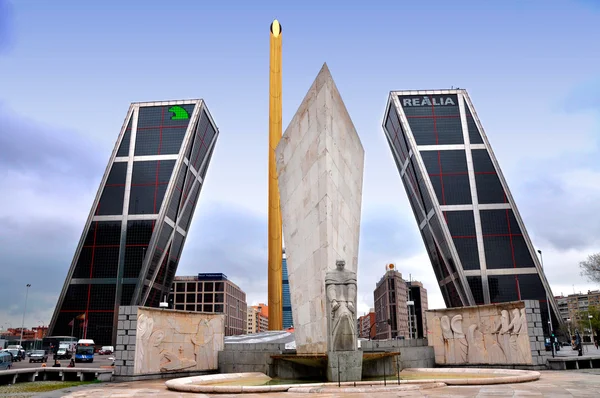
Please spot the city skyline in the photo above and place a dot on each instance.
(66, 81)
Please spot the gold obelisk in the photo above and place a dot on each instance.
(275, 241)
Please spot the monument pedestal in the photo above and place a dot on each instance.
(347, 365)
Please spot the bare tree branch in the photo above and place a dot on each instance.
(590, 268)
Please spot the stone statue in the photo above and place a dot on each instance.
(341, 295)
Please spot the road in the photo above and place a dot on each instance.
(99, 361)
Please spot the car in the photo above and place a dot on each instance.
(106, 350)
(63, 353)
(38, 356)
(16, 355)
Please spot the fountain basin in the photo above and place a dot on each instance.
(410, 379)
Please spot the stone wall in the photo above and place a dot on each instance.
(255, 357)
(125, 348)
(496, 334)
(414, 353)
(320, 163)
(154, 341)
(258, 358)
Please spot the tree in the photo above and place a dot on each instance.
(590, 268)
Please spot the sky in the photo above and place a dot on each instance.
(69, 70)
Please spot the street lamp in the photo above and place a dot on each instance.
(24, 309)
(549, 313)
(591, 330)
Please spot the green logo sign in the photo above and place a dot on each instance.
(179, 113)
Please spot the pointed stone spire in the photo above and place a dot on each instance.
(320, 162)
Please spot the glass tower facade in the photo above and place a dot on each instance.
(476, 240)
(135, 232)
(285, 291)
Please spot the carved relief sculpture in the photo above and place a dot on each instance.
(341, 296)
(497, 334)
(169, 341)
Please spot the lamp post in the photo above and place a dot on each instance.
(24, 309)
(591, 330)
(549, 313)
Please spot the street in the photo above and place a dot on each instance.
(99, 361)
(588, 349)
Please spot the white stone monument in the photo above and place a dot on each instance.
(320, 162)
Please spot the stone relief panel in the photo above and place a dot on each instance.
(173, 341)
(487, 334)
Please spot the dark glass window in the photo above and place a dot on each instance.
(438, 265)
(417, 180)
(188, 210)
(467, 252)
(180, 307)
(445, 162)
(397, 136)
(474, 136)
(208, 298)
(447, 171)
(504, 244)
(158, 133)
(219, 286)
(191, 287)
(148, 185)
(173, 208)
(190, 307)
(111, 200)
(219, 308)
(124, 147)
(180, 298)
(503, 288)
(460, 223)
(204, 135)
(208, 286)
(191, 297)
(127, 294)
(476, 289)
(413, 201)
(489, 189)
(219, 298)
(180, 287)
(433, 119)
(452, 295)
(482, 163)
(531, 287)
(100, 252)
(138, 237)
(208, 308)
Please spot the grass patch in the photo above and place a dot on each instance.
(41, 386)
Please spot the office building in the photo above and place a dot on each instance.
(135, 232)
(391, 312)
(572, 307)
(258, 318)
(475, 237)
(288, 322)
(366, 324)
(417, 305)
(212, 293)
(399, 307)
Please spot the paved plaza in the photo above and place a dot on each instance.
(582, 383)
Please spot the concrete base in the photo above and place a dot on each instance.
(344, 366)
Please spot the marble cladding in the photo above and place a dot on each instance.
(320, 162)
(496, 334)
(154, 341)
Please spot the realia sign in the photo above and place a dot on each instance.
(428, 100)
